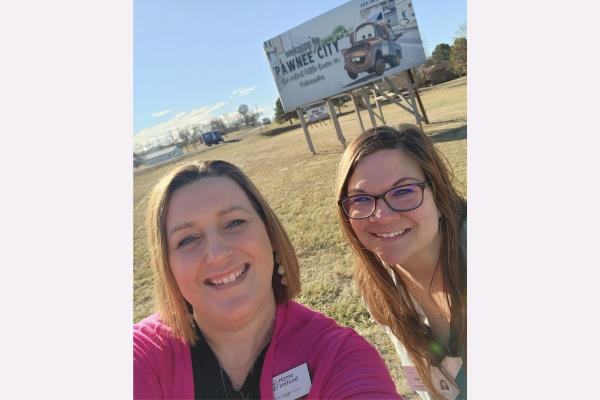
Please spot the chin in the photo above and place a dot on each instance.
(391, 259)
(239, 308)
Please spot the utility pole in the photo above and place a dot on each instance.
(258, 117)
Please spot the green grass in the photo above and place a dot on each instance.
(299, 187)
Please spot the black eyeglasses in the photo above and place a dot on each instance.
(399, 198)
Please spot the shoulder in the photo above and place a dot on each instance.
(300, 314)
(151, 331)
(301, 320)
(315, 334)
(342, 362)
(151, 325)
(152, 337)
(161, 361)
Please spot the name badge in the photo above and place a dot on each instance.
(414, 380)
(447, 389)
(452, 366)
(292, 384)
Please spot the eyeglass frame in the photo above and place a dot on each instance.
(421, 185)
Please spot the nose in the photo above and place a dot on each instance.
(218, 249)
(382, 211)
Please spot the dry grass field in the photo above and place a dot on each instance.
(299, 187)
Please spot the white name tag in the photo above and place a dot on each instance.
(292, 384)
(412, 377)
(450, 364)
(449, 391)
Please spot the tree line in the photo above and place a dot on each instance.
(455, 54)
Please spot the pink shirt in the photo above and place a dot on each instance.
(341, 363)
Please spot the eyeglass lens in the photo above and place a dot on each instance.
(402, 198)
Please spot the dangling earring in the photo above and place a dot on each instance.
(280, 270)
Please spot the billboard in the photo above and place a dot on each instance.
(358, 42)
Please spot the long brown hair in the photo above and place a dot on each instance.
(172, 307)
(388, 305)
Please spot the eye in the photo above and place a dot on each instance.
(360, 199)
(402, 191)
(234, 223)
(186, 240)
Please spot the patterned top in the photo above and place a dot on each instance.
(452, 364)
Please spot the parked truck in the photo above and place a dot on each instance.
(212, 137)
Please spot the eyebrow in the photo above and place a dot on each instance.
(191, 224)
(399, 181)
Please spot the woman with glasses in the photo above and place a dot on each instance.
(406, 224)
(226, 327)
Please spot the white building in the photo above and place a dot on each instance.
(166, 154)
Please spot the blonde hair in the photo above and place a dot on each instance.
(174, 310)
(386, 304)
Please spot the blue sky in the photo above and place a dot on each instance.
(196, 60)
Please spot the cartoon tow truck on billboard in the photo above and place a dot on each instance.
(373, 44)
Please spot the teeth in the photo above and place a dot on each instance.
(229, 278)
(391, 234)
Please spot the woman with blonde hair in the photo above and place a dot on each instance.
(226, 327)
(406, 224)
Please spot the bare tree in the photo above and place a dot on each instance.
(458, 56)
(184, 137)
(243, 109)
(217, 124)
(461, 32)
(196, 135)
(249, 119)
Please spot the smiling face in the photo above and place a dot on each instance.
(408, 238)
(219, 251)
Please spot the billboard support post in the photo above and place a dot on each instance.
(300, 113)
(398, 101)
(367, 97)
(336, 123)
(412, 107)
(394, 101)
(378, 106)
(411, 91)
(416, 89)
(357, 111)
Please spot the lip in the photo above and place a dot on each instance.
(240, 273)
(405, 232)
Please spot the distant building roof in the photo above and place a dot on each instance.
(436, 67)
(161, 152)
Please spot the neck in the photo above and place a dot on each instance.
(420, 270)
(237, 349)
